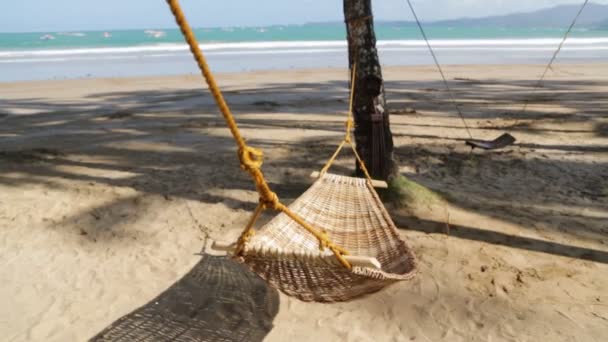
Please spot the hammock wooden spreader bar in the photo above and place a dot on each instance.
(250, 158)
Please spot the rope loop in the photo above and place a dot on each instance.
(251, 161)
(251, 158)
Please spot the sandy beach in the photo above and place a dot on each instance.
(110, 189)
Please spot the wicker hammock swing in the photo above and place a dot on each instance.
(334, 243)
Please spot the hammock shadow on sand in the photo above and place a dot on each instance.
(218, 300)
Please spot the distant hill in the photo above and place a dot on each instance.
(559, 16)
(594, 16)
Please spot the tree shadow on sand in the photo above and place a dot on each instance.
(218, 300)
(184, 123)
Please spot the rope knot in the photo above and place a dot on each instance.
(350, 124)
(269, 200)
(251, 158)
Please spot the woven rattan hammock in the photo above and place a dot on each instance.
(307, 250)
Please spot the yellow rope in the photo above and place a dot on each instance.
(348, 137)
(361, 163)
(251, 159)
(248, 232)
(333, 157)
(324, 241)
(350, 123)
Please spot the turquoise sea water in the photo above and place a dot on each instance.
(57, 55)
(295, 33)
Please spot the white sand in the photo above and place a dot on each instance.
(137, 172)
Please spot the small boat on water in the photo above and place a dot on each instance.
(107, 35)
(47, 37)
(155, 34)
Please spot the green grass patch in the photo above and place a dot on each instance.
(405, 192)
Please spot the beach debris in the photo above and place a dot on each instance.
(406, 110)
(266, 103)
(466, 79)
(197, 123)
(119, 114)
(30, 155)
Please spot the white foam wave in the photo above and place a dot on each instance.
(308, 47)
(293, 52)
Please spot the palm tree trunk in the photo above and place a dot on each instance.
(372, 130)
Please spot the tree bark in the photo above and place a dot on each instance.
(372, 129)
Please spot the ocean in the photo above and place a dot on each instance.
(68, 55)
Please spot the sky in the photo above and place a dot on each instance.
(81, 15)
